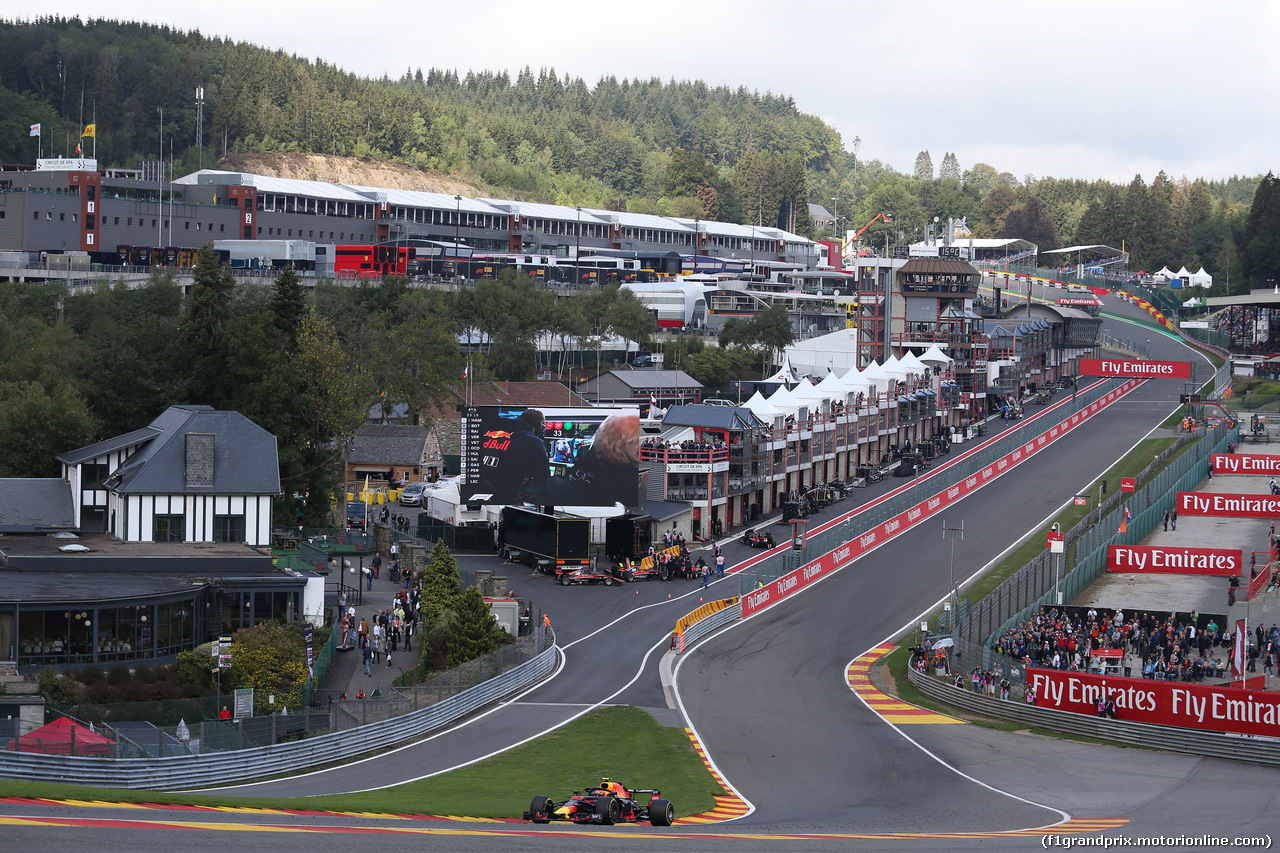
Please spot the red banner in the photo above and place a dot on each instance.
(1128, 484)
(1232, 506)
(1109, 654)
(791, 583)
(1128, 368)
(1245, 463)
(1175, 561)
(1162, 703)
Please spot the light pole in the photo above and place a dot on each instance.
(457, 232)
(954, 593)
(835, 217)
(577, 252)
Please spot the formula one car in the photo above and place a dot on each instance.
(607, 803)
(631, 572)
(758, 539)
(587, 574)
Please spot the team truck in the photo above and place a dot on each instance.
(628, 537)
(548, 541)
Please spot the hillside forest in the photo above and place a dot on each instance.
(671, 148)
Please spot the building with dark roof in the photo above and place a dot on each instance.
(663, 387)
(194, 474)
(145, 547)
(392, 453)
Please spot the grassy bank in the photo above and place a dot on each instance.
(622, 742)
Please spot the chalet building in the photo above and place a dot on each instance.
(193, 474)
(388, 454)
(149, 544)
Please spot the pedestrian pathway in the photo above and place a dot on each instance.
(347, 674)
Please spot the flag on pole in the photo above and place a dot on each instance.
(77, 149)
(466, 370)
(1237, 649)
(653, 401)
(90, 130)
(35, 130)
(1124, 521)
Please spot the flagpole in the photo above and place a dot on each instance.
(95, 129)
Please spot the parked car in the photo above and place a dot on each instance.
(411, 495)
(356, 511)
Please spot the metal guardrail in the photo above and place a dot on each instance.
(703, 627)
(242, 765)
(1216, 744)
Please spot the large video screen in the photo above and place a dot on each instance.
(570, 456)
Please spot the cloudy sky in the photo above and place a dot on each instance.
(1083, 89)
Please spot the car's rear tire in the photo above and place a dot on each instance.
(608, 580)
(541, 809)
(609, 810)
(661, 813)
(564, 579)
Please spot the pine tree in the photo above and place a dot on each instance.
(473, 631)
(204, 326)
(950, 167)
(1260, 248)
(924, 167)
(288, 306)
(440, 582)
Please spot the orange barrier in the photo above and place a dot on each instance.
(690, 619)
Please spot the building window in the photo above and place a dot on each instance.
(93, 474)
(186, 225)
(115, 220)
(228, 528)
(170, 528)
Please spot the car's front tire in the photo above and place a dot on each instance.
(541, 809)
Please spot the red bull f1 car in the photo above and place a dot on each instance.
(608, 803)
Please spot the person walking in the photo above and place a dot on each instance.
(706, 576)
(1166, 527)
(367, 655)
(1173, 518)
(720, 565)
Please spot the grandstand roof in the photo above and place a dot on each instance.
(1094, 247)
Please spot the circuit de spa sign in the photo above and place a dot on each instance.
(1245, 463)
(1131, 369)
(1149, 560)
(1231, 506)
(1161, 703)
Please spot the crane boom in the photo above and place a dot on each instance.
(887, 217)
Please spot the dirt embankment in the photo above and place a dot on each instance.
(350, 170)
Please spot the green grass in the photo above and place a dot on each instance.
(622, 742)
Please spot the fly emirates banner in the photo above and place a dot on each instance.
(1232, 506)
(1176, 561)
(1163, 703)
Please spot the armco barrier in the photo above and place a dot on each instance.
(246, 764)
(707, 618)
(1216, 744)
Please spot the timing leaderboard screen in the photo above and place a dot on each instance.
(547, 456)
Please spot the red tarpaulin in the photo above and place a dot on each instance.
(63, 736)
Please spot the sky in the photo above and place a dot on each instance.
(1075, 90)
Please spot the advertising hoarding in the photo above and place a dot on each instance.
(1231, 506)
(1131, 369)
(1221, 562)
(1245, 463)
(550, 456)
(1162, 703)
